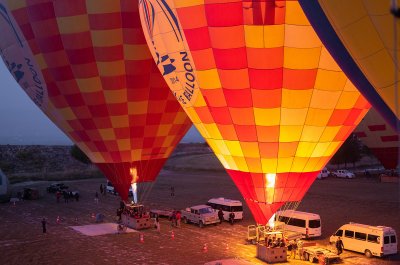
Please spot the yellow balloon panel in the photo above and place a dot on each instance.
(366, 29)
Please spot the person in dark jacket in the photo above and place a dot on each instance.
(231, 217)
(220, 215)
(339, 246)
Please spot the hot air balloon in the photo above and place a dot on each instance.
(260, 87)
(87, 66)
(362, 36)
(380, 138)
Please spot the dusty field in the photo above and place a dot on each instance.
(21, 242)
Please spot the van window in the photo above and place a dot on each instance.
(314, 223)
(237, 208)
(283, 219)
(297, 222)
(360, 236)
(386, 240)
(348, 233)
(339, 232)
(373, 239)
(226, 208)
(393, 239)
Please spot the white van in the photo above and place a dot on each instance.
(308, 224)
(370, 240)
(227, 207)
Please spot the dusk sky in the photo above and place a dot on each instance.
(21, 122)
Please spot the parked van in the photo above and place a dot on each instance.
(308, 224)
(227, 207)
(370, 240)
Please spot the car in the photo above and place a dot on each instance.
(343, 173)
(56, 187)
(323, 174)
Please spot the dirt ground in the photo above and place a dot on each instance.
(21, 240)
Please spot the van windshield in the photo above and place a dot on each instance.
(314, 223)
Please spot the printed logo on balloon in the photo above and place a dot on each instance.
(177, 64)
(20, 61)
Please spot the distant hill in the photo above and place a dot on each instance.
(46, 162)
(39, 162)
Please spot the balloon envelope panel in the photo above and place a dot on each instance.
(267, 96)
(361, 37)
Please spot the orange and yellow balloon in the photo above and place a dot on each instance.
(260, 87)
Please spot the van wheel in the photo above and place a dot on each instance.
(311, 259)
(201, 224)
(185, 220)
(306, 256)
(368, 253)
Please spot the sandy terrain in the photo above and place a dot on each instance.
(21, 240)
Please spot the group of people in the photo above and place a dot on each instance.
(67, 195)
(275, 242)
(221, 216)
(296, 248)
(176, 218)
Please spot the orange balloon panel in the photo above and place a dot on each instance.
(380, 138)
(261, 89)
(361, 36)
(88, 67)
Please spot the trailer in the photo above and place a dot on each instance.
(161, 213)
(134, 216)
(319, 254)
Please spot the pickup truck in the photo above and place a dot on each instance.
(200, 214)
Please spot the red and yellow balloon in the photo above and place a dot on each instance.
(260, 87)
(86, 64)
(380, 138)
